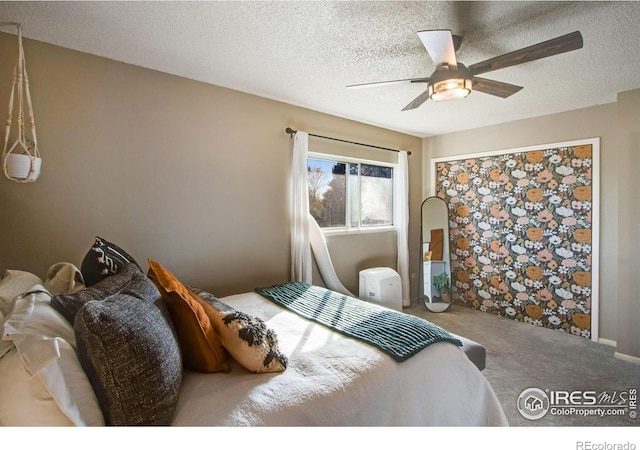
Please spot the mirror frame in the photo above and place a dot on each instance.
(435, 306)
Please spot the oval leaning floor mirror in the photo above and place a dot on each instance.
(435, 262)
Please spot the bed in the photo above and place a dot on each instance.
(336, 381)
(305, 373)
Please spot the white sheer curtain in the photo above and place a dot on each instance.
(301, 268)
(402, 221)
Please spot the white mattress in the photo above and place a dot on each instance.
(333, 380)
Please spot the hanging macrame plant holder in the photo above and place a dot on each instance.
(21, 160)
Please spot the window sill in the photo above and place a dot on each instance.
(345, 232)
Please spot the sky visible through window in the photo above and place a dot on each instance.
(326, 167)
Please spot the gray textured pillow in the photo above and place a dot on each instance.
(212, 300)
(131, 355)
(130, 280)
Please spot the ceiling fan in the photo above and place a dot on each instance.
(453, 80)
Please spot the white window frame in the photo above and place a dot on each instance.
(334, 231)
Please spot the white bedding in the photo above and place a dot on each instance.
(333, 380)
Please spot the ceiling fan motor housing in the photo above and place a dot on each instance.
(449, 82)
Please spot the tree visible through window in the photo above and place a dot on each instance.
(350, 194)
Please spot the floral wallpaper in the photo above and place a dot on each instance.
(520, 235)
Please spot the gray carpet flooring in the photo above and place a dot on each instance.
(521, 356)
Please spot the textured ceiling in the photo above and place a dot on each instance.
(305, 53)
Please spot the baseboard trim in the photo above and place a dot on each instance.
(622, 356)
(608, 342)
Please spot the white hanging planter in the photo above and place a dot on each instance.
(22, 167)
(21, 162)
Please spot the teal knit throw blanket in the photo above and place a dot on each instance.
(397, 334)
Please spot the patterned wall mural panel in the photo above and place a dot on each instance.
(521, 234)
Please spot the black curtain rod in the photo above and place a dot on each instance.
(291, 131)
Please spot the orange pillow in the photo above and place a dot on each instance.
(201, 349)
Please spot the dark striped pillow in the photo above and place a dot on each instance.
(103, 260)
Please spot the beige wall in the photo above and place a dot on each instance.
(189, 174)
(196, 177)
(598, 121)
(629, 224)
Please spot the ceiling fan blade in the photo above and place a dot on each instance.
(387, 83)
(419, 100)
(556, 46)
(439, 45)
(492, 87)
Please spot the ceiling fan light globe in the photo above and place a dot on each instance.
(451, 89)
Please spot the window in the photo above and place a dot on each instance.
(350, 194)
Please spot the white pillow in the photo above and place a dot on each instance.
(14, 283)
(64, 277)
(45, 342)
(25, 400)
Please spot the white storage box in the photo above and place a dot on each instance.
(381, 285)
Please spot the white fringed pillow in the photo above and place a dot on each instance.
(247, 339)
